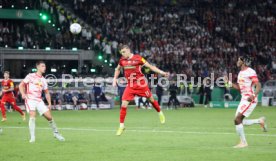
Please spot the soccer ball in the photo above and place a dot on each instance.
(75, 28)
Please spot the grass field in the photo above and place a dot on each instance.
(189, 135)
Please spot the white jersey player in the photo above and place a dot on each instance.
(31, 89)
(249, 86)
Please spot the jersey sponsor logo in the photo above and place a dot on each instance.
(129, 67)
(39, 84)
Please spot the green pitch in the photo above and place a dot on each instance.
(188, 135)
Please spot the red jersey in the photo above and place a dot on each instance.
(7, 84)
(132, 67)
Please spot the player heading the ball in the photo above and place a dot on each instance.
(137, 84)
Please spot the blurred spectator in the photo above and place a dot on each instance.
(97, 91)
(173, 96)
(56, 98)
(67, 97)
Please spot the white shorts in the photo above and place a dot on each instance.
(246, 108)
(33, 105)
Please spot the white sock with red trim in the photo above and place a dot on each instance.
(251, 122)
(32, 127)
(240, 131)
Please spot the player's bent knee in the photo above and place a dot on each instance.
(124, 103)
(32, 114)
(48, 115)
(237, 121)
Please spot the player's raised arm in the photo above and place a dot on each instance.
(231, 84)
(116, 75)
(155, 69)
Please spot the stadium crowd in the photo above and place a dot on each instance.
(192, 37)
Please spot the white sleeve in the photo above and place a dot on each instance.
(45, 84)
(27, 79)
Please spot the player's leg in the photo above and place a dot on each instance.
(30, 108)
(261, 121)
(157, 108)
(127, 96)
(44, 111)
(123, 112)
(3, 110)
(244, 109)
(240, 131)
(32, 114)
(12, 101)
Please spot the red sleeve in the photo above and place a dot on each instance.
(120, 62)
(254, 79)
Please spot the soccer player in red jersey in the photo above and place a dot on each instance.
(8, 96)
(137, 84)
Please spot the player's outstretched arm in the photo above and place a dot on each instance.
(116, 75)
(234, 85)
(156, 70)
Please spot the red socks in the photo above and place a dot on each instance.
(156, 106)
(123, 113)
(18, 109)
(3, 109)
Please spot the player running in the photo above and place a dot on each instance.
(31, 89)
(137, 84)
(247, 81)
(8, 97)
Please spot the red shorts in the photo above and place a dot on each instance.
(9, 99)
(131, 92)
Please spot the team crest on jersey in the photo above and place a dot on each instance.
(39, 83)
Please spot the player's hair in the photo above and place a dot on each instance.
(6, 72)
(39, 62)
(123, 46)
(246, 59)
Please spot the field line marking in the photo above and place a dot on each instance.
(148, 131)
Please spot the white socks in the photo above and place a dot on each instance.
(53, 126)
(240, 131)
(251, 122)
(160, 113)
(32, 127)
(122, 125)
